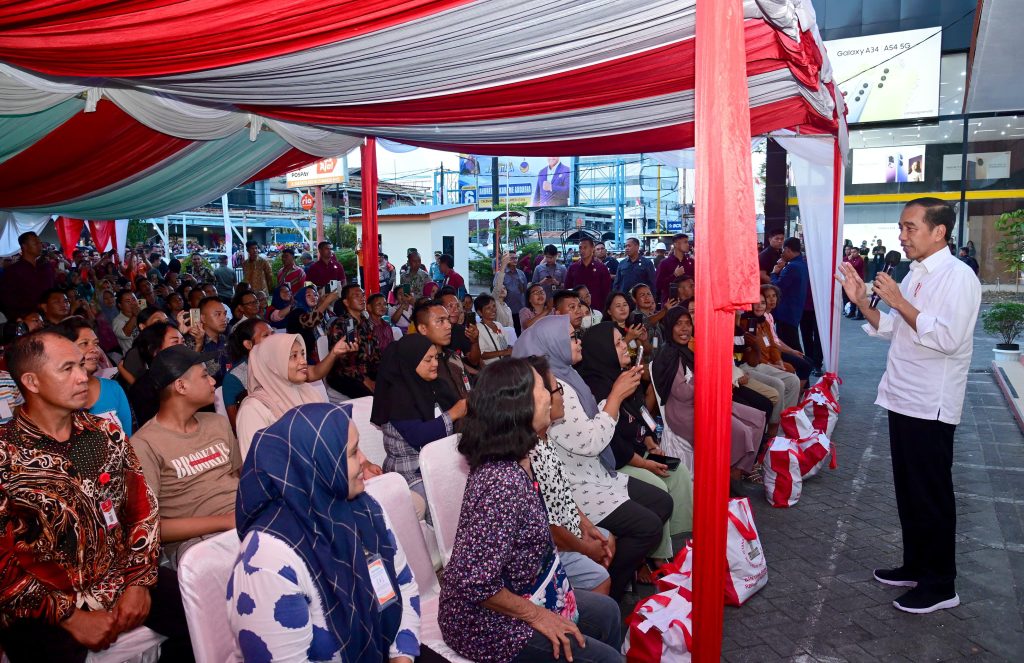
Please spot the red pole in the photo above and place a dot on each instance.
(319, 205)
(725, 234)
(368, 170)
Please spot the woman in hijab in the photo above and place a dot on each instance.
(672, 372)
(411, 406)
(321, 576)
(276, 384)
(605, 357)
(309, 316)
(632, 510)
(281, 306)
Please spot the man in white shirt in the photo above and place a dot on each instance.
(125, 323)
(931, 327)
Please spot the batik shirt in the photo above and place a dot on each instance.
(57, 552)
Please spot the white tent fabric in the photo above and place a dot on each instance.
(812, 163)
(13, 224)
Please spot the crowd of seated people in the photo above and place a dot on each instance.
(163, 405)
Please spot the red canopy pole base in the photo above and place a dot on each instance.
(318, 203)
(371, 248)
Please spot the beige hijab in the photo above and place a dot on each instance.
(268, 376)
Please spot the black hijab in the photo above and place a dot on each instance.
(400, 392)
(666, 361)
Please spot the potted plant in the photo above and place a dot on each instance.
(1010, 249)
(1005, 320)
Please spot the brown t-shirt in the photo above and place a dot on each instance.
(192, 475)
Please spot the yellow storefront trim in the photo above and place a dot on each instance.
(862, 199)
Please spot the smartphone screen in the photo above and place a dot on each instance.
(470, 317)
(193, 317)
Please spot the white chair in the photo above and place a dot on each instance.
(445, 472)
(396, 332)
(323, 346)
(392, 492)
(371, 439)
(672, 444)
(218, 402)
(203, 574)
(140, 645)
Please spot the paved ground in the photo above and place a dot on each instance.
(821, 603)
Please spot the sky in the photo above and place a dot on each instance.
(418, 164)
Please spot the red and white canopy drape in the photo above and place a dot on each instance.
(149, 107)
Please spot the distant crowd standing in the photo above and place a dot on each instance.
(562, 380)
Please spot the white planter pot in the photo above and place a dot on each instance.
(1006, 355)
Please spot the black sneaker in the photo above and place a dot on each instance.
(895, 577)
(922, 600)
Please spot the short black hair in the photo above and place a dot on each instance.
(70, 327)
(580, 288)
(633, 239)
(584, 240)
(243, 331)
(680, 236)
(635, 289)
(793, 244)
(49, 292)
(446, 259)
(290, 251)
(499, 421)
(481, 301)
(421, 311)
(374, 297)
(775, 233)
(147, 313)
(347, 288)
(445, 291)
(937, 212)
(322, 244)
(550, 250)
(561, 296)
(24, 237)
(120, 295)
(251, 243)
(208, 300)
(26, 353)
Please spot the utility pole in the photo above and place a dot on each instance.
(441, 188)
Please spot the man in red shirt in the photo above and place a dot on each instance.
(673, 266)
(451, 277)
(290, 273)
(326, 268)
(590, 272)
(25, 281)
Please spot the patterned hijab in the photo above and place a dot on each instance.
(294, 485)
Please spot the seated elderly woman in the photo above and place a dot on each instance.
(411, 406)
(321, 576)
(493, 343)
(605, 357)
(635, 512)
(672, 372)
(504, 595)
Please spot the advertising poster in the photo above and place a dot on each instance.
(531, 181)
(885, 165)
(980, 166)
(325, 171)
(891, 76)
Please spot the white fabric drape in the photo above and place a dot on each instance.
(812, 161)
(13, 224)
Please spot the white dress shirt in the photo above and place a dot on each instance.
(926, 372)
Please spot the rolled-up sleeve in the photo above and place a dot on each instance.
(885, 322)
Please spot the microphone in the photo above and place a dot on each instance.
(892, 259)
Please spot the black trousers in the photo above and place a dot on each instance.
(922, 472)
(32, 640)
(348, 386)
(637, 526)
(800, 364)
(788, 334)
(811, 339)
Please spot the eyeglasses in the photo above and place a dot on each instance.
(559, 389)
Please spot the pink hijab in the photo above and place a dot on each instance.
(268, 375)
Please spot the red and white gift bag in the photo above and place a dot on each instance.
(678, 573)
(795, 422)
(659, 630)
(747, 568)
(813, 453)
(783, 479)
(822, 410)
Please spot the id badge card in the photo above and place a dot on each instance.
(109, 515)
(767, 341)
(382, 585)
